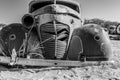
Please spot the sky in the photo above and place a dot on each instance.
(103, 9)
(11, 11)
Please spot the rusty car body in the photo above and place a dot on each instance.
(55, 29)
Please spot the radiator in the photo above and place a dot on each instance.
(55, 39)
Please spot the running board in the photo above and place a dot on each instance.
(53, 63)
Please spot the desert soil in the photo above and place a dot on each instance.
(103, 72)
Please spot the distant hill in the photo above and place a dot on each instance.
(2, 25)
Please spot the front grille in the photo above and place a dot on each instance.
(54, 44)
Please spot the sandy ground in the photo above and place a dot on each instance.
(104, 72)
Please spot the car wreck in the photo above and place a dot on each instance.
(52, 34)
(114, 32)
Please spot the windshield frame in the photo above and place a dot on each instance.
(71, 4)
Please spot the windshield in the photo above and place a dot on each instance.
(36, 6)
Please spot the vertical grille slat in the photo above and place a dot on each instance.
(47, 31)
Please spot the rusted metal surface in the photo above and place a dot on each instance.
(55, 34)
(53, 63)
